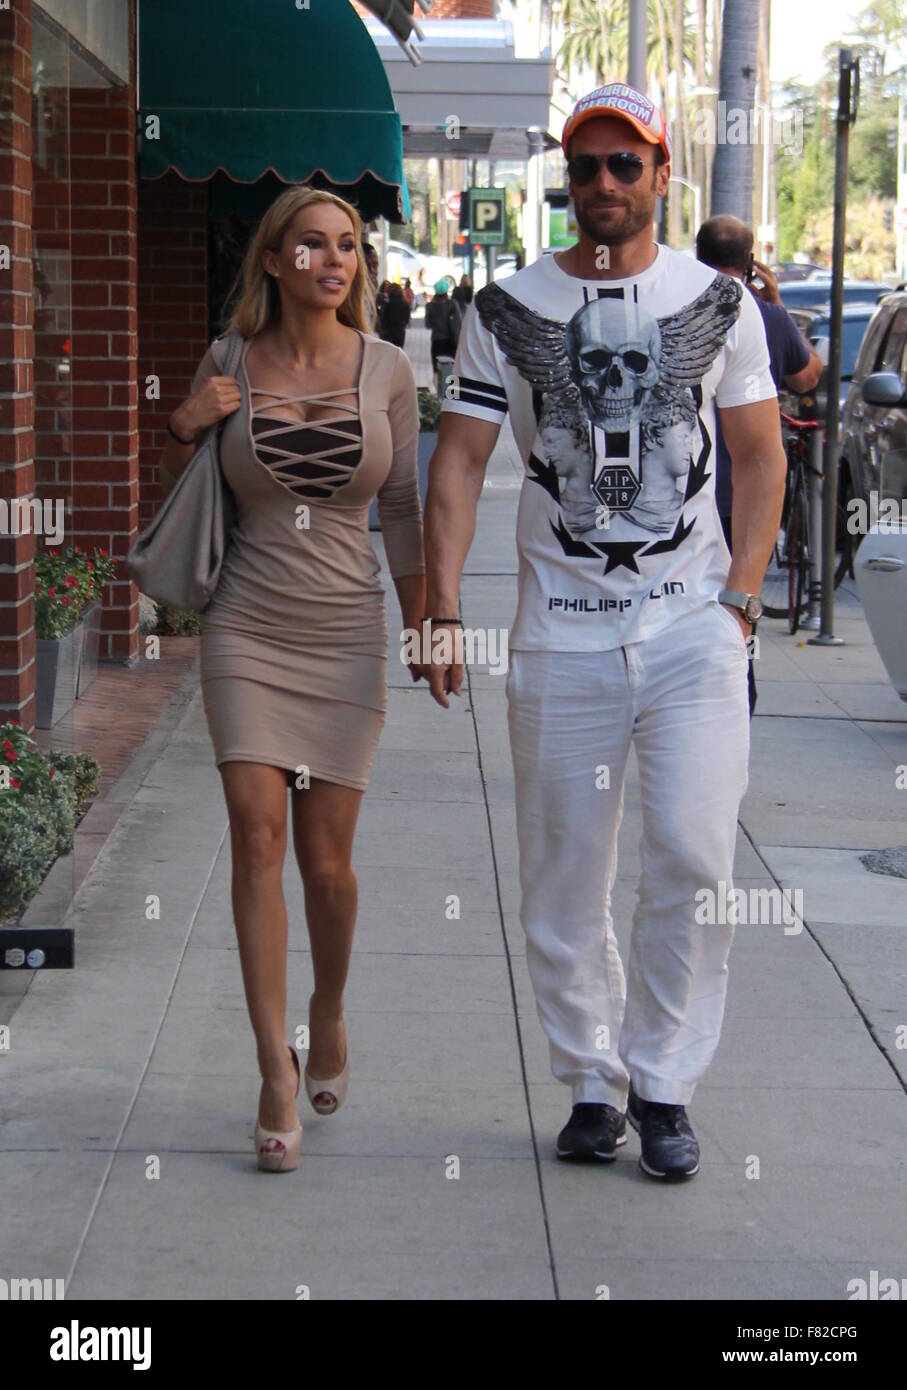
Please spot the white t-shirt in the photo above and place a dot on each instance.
(611, 387)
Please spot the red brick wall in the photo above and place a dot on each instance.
(173, 310)
(17, 608)
(445, 9)
(105, 344)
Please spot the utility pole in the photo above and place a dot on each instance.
(848, 97)
(636, 45)
(637, 74)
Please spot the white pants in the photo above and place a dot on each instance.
(681, 696)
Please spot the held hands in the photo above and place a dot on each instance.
(444, 677)
(218, 397)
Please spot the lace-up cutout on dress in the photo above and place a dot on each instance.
(311, 459)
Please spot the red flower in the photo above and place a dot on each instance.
(52, 592)
(77, 551)
(90, 565)
(64, 599)
(103, 552)
(54, 553)
(53, 768)
(9, 751)
(38, 589)
(14, 782)
(70, 581)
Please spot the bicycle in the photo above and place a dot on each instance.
(785, 589)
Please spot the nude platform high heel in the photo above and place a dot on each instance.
(328, 1096)
(284, 1157)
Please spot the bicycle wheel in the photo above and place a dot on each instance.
(774, 585)
(797, 577)
(845, 543)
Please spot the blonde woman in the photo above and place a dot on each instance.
(322, 416)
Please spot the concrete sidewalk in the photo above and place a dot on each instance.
(130, 1087)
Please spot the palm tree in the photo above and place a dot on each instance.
(732, 175)
(596, 37)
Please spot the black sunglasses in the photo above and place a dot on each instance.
(625, 166)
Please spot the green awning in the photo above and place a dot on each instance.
(253, 87)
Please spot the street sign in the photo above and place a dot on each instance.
(487, 224)
(452, 202)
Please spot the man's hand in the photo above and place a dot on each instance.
(444, 677)
(747, 627)
(768, 290)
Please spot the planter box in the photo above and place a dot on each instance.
(91, 646)
(428, 442)
(56, 676)
(58, 668)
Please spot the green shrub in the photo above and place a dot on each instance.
(41, 799)
(176, 622)
(65, 585)
(429, 409)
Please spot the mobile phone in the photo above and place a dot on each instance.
(750, 274)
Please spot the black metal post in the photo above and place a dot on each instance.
(848, 90)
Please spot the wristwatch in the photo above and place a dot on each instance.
(750, 605)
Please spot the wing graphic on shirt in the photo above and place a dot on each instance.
(691, 339)
(610, 367)
(537, 347)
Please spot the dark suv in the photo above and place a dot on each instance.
(869, 430)
(815, 325)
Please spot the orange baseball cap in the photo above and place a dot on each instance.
(627, 104)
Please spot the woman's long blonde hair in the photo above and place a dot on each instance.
(258, 301)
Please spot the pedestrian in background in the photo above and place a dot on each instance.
(370, 256)
(726, 243)
(394, 316)
(463, 293)
(443, 320)
(381, 300)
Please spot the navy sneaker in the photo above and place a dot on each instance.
(670, 1151)
(593, 1134)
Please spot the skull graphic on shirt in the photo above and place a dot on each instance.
(614, 350)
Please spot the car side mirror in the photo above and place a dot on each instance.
(883, 388)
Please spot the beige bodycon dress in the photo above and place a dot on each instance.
(294, 640)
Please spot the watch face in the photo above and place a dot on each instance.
(752, 609)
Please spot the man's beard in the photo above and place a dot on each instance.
(632, 222)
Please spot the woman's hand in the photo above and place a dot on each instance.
(219, 396)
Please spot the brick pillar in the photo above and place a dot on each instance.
(444, 9)
(173, 310)
(17, 441)
(105, 344)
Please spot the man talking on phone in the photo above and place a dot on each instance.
(726, 243)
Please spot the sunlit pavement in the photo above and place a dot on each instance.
(130, 1086)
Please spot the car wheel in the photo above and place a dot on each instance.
(846, 543)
